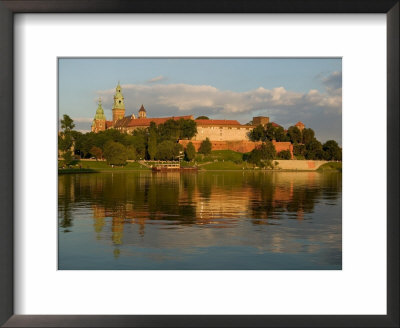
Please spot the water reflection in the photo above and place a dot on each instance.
(192, 212)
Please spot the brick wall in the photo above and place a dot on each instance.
(239, 146)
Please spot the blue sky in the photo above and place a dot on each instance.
(286, 90)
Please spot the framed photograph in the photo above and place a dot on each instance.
(188, 165)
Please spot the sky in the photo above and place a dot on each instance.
(287, 90)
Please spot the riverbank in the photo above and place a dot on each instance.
(216, 165)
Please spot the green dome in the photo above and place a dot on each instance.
(100, 112)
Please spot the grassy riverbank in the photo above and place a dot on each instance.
(99, 166)
(217, 160)
(331, 166)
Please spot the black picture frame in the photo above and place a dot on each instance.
(10, 7)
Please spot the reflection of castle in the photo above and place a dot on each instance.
(224, 134)
(214, 207)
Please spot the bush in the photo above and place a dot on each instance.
(190, 152)
(284, 154)
(115, 153)
(205, 147)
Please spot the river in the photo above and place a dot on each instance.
(213, 220)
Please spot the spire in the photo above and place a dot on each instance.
(142, 109)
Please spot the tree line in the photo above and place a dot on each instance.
(305, 144)
(160, 142)
(157, 142)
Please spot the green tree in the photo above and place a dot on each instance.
(280, 134)
(152, 144)
(202, 118)
(131, 153)
(284, 154)
(168, 150)
(332, 151)
(96, 152)
(299, 150)
(257, 133)
(265, 153)
(314, 150)
(188, 129)
(307, 135)
(115, 153)
(67, 124)
(294, 134)
(69, 158)
(190, 152)
(270, 132)
(205, 147)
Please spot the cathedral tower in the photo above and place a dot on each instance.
(99, 121)
(118, 109)
(142, 112)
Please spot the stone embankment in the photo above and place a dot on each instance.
(299, 165)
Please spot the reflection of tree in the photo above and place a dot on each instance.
(296, 194)
(65, 187)
(214, 198)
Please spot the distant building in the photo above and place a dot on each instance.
(224, 134)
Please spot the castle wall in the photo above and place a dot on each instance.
(239, 146)
(223, 133)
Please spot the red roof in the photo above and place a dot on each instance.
(299, 123)
(109, 124)
(275, 125)
(128, 121)
(217, 122)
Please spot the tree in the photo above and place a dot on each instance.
(280, 134)
(307, 135)
(188, 128)
(299, 150)
(270, 131)
(332, 151)
(314, 150)
(115, 153)
(284, 154)
(202, 118)
(168, 150)
(96, 152)
(67, 124)
(266, 152)
(294, 134)
(257, 133)
(152, 145)
(190, 152)
(69, 159)
(205, 147)
(131, 153)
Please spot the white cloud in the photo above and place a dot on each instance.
(157, 79)
(195, 98)
(281, 105)
(83, 119)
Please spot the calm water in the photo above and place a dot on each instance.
(207, 220)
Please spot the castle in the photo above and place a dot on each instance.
(223, 134)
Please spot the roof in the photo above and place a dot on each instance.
(217, 122)
(128, 121)
(299, 123)
(275, 125)
(109, 124)
(142, 109)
